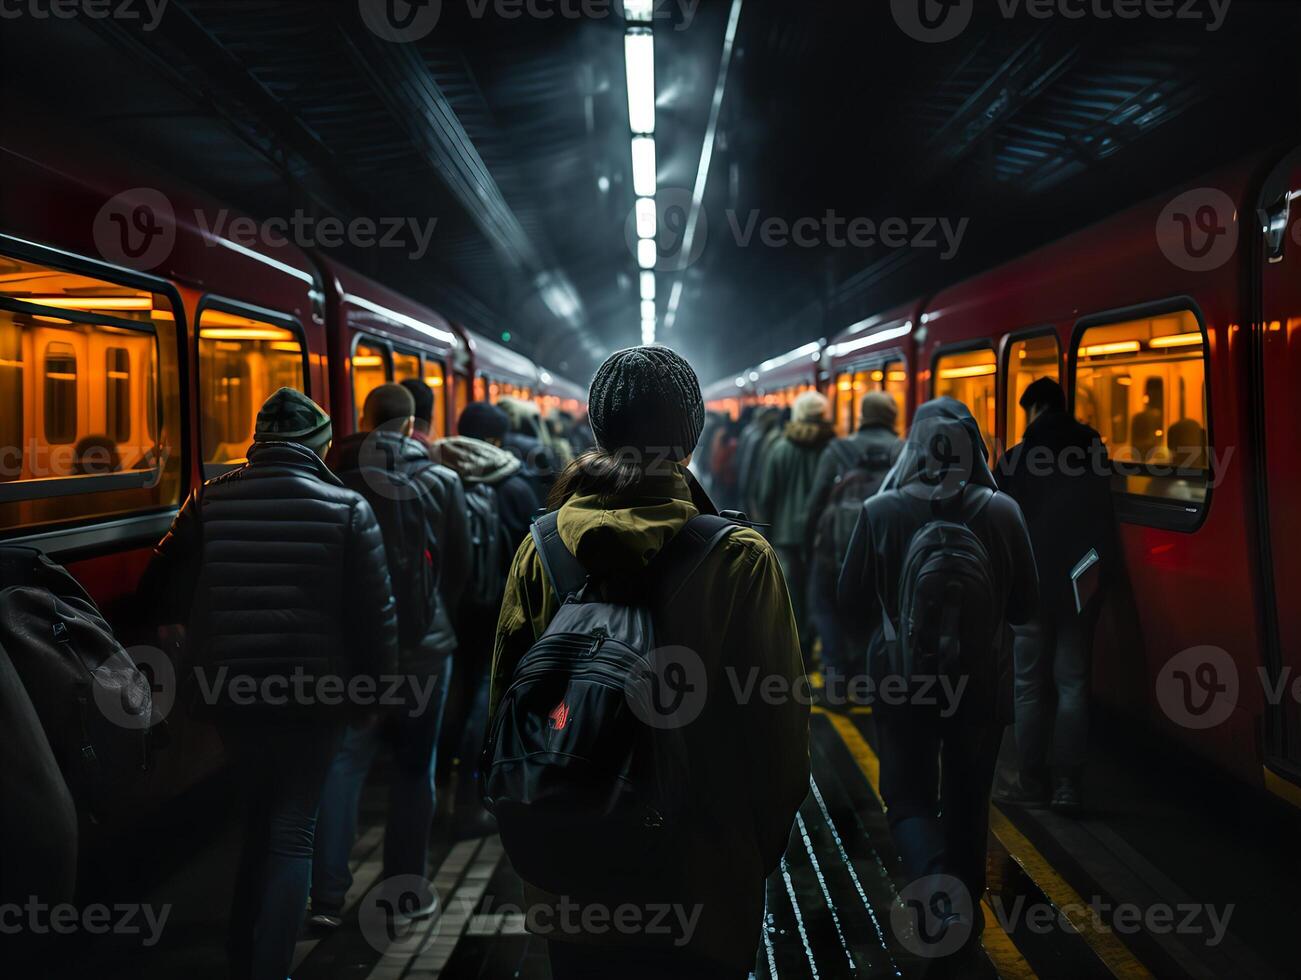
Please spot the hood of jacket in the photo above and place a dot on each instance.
(382, 448)
(475, 460)
(944, 452)
(620, 535)
(814, 434)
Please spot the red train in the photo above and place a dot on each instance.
(1175, 327)
(136, 345)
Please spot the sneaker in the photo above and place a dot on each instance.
(1066, 795)
(325, 916)
(1022, 792)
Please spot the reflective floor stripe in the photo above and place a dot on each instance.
(799, 918)
(1002, 952)
(997, 943)
(1114, 954)
(826, 893)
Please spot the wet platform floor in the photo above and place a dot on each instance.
(1069, 898)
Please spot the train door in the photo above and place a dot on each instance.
(1277, 408)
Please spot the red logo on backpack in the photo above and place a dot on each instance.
(559, 716)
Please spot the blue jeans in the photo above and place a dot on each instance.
(281, 766)
(1053, 665)
(412, 735)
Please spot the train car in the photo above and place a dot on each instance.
(136, 344)
(778, 381)
(556, 393)
(1175, 328)
(874, 354)
(728, 396)
(496, 371)
(378, 336)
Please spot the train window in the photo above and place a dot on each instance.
(461, 390)
(1142, 385)
(436, 378)
(117, 393)
(241, 361)
(481, 389)
(1027, 361)
(60, 393)
(969, 377)
(845, 407)
(894, 382)
(405, 365)
(369, 371)
(81, 360)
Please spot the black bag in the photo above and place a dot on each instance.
(94, 703)
(840, 516)
(488, 557)
(410, 544)
(586, 790)
(950, 608)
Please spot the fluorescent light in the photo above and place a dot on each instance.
(647, 255)
(1177, 340)
(241, 333)
(974, 371)
(648, 309)
(643, 166)
(91, 302)
(648, 285)
(1119, 347)
(754, 375)
(740, 382)
(638, 11)
(646, 219)
(639, 62)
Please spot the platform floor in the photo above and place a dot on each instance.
(1205, 910)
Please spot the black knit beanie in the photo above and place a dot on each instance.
(480, 420)
(646, 399)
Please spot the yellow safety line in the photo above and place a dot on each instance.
(1114, 954)
(1284, 789)
(998, 945)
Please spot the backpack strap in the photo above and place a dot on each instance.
(688, 550)
(566, 573)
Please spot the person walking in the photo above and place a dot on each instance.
(785, 485)
(254, 567)
(616, 511)
(1060, 474)
(407, 481)
(939, 563)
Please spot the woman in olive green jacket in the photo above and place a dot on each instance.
(748, 746)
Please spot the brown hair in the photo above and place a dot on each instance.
(597, 471)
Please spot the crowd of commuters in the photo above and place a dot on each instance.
(477, 597)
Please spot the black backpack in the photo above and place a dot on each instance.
(399, 502)
(950, 609)
(94, 703)
(840, 515)
(583, 768)
(488, 544)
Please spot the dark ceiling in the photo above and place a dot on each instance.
(512, 131)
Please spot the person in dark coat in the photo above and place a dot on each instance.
(938, 755)
(258, 565)
(758, 435)
(478, 457)
(411, 730)
(1060, 474)
(786, 478)
(872, 449)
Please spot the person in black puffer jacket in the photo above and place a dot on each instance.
(280, 573)
(411, 731)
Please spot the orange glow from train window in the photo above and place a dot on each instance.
(969, 376)
(1029, 360)
(97, 396)
(242, 360)
(1142, 384)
